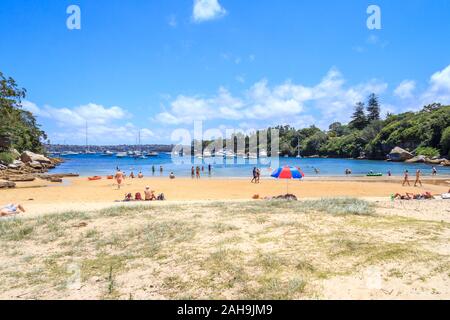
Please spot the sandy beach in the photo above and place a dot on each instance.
(345, 239)
(79, 193)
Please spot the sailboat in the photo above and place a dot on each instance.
(87, 145)
(139, 154)
(298, 149)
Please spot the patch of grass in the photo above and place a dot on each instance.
(305, 266)
(102, 266)
(157, 233)
(125, 210)
(269, 288)
(223, 228)
(16, 229)
(339, 206)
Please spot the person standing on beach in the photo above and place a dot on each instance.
(434, 171)
(418, 181)
(153, 170)
(161, 169)
(258, 175)
(197, 170)
(192, 172)
(406, 178)
(119, 178)
(209, 169)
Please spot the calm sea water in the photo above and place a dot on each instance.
(89, 165)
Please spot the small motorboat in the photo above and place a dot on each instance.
(94, 178)
(110, 177)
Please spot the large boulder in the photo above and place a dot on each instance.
(7, 184)
(445, 163)
(36, 165)
(399, 154)
(29, 156)
(2, 167)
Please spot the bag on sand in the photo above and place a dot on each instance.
(161, 197)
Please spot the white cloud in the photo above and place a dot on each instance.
(439, 88)
(31, 107)
(205, 10)
(405, 89)
(92, 113)
(331, 97)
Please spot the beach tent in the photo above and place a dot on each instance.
(288, 173)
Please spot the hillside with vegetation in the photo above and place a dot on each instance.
(18, 127)
(426, 132)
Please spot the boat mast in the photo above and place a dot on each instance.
(87, 145)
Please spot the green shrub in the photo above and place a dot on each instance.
(445, 142)
(427, 151)
(6, 157)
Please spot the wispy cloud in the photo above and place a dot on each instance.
(205, 10)
(331, 98)
(172, 21)
(405, 89)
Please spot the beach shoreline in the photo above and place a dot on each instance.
(40, 196)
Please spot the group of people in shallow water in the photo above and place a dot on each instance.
(196, 171)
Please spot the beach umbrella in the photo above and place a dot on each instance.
(288, 173)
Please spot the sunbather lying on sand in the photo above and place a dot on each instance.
(11, 209)
(412, 196)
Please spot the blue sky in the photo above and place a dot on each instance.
(160, 65)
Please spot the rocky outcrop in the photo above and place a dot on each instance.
(21, 178)
(7, 184)
(56, 177)
(28, 166)
(398, 154)
(28, 157)
(417, 159)
(445, 163)
(434, 161)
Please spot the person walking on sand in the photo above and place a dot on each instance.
(119, 178)
(258, 175)
(197, 171)
(406, 178)
(418, 181)
(255, 175)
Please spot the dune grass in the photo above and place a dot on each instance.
(217, 250)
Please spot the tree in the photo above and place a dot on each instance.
(359, 121)
(17, 126)
(445, 142)
(373, 108)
